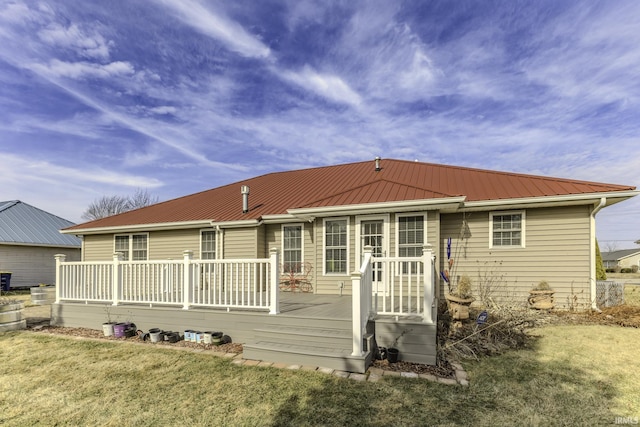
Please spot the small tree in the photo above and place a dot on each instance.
(113, 205)
(601, 273)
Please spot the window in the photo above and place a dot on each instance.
(208, 244)
(410, 235)
(134, 247)
(335, 246)
(507, 229)
(292, 248)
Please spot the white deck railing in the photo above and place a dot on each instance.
(402, 286)
(246, 283)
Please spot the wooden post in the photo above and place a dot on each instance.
(117, 279)
(429, 308)
(274, 265)
(186, 279)
(60, 258)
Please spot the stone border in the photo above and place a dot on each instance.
(372, 374)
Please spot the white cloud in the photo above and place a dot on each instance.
(80, 70)
(326, 85)
(83, 43)
(52, 173)
(219, 27)
(165, 109)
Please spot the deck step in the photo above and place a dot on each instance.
(313, 336)
(298, 354)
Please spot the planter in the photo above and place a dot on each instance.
(188, 335)
(12, 317)
(42, 295)
(393, 354)
(459, 307)
(541, 300)
(119, 329)
(207, 337)
(156, 335)
(107, 328)
(216, 338)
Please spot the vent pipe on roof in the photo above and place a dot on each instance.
(245, 198)
(378, 168)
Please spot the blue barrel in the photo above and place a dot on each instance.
(5, 280)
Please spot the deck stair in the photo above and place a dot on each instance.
(317, 342)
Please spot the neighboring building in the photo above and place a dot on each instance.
(626, 258)
(512, 229)
(29, 239)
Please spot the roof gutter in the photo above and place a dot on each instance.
(548, 201)
(137, 227)
(592, 252)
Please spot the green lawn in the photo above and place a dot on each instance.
(575, 375)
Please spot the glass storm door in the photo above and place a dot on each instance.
(372, 234)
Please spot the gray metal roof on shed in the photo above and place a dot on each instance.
(23, 224)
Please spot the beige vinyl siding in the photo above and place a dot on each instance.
(97, 247)
(241, 243)
(557, 249)
(171, 244)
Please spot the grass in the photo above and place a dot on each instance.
(575, 375)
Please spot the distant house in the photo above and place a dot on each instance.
(626, 258)
(29, 239)
(199, 260)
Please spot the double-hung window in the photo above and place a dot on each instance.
(507, 229)
(335, 246)
(208, 244)
(134, 247)
(410, 240)
(292, 248)
(410, 235)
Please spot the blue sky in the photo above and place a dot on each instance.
(101, 98)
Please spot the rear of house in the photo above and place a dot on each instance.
(509, 231)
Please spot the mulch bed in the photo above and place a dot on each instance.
(95, 334)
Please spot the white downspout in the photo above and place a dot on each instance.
(592, 254)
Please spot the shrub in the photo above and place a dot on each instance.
(634, 269)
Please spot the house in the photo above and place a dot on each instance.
(29, 239)
(626, 258)
(368, 239)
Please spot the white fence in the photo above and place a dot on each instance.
(246, 284)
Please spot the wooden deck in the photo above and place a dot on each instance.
(310, 329)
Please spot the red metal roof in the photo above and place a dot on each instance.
(350, 184)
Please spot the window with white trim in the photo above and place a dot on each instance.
(410, 235)
(292, 248)
(134, 247)
(507, 229)
(208, 244)
(335, 246)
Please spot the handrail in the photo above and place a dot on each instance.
(230, 283)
